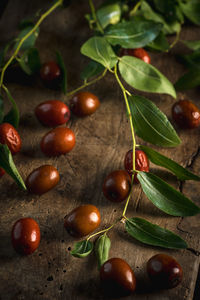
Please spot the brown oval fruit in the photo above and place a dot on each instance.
(139, 53)
(117, 185)
(50, 73)
(186, 114)
(117, 277)
(42, 179)
(10, 137)
(26, 236)
(52, 113)
(164, 271)
(82, 220)
(84, 104)
(58, 141)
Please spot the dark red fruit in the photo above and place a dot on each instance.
(42, 179)
(84, 104)
(186, 114)
(52, 113)
(141, 162)
(117, 185)
(117, 278)
(82, 220)
(139, 53)
(10, 137)
(58, 141)
(164, 271)
(2, 172)
(26, 236)
(50, 73)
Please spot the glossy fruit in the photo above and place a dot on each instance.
(58, 141)
(117, 277)
(164, 271)
(186, 114)
(10, 137)
(84, 104)
(26, 236)
(139, 53)
(42, 179)
(82, 220)
(2, 172)
(141, 162)
(117, 185)
(52, 113)
(50, 73)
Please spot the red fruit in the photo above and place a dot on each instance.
(84, 104)
(2, 172)
(52, 113)
(58, 141)
(10, 137)
(139, 53)
(186, 114)
(50, 73)
(26, 236)
(141, 162)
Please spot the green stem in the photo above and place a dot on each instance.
(95, 16)
(104, 230)
(135, 8)
(175, 40)
(49, 11)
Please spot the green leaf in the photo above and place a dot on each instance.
(144, 77)
(30, 61)
(189, 80)
(30, 41)
(133, 34)
(191, 10)
(160, 43)
(152, 234)
(151, 124)
(98, 49)
(91, 70)
(165, 197)
(1, 109)
(193, 45)
(61, 64)
(168, 8)
(7, 163)
(102, 248)
(163, 161)
(109, 14)
(82, 249)
(190, 60)
(12, 116)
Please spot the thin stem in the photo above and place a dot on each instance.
(88, 83)
(175, 40)
(104, 230)
(135, 8)
(49, 11)
(95, 16)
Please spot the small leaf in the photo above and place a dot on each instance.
(191, 10)
(193, 45)
(12, 116)
(61, 64)
(102, 248)
(109, 14)
(7, 163)
(98, 49)
(160, 43)
(189, 80)
(30, 41)
(165, 197)
(1, 109)
(152, 234)
(91, 70)
(144, 77)
(82, 249)
(133, 34)
(151, 124)
(163, 161)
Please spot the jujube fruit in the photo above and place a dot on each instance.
(139, 53)
(58, 141)
(50, 73)
(84, 103)
(42, 179)
(10, 137)
(117, 185)
(141, 162)
(117, 277)
(82, 220)
(164, 271)
(186, 114)
(52, 113)
(25, 236)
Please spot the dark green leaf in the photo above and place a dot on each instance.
(26, 23)
(193, 45)
(109, 14)
(144, 77)
(1, 109)
(61, 63)
(98, 49)
(163, 161)
(165, 197)
(189, 80)
(168, 9)
(152, 234)
(82, 249)
(160, 43)
(12, 116)
(30, 41)
(3, 52)
(7, 163)
(91, 70)
(133, 34)
(190, 60)
(102, 248)
(191, 10)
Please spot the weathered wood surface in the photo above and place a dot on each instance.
(102, 141)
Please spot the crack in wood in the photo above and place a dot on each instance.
(193, 158)
(194, 251)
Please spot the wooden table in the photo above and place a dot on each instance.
(102, 141)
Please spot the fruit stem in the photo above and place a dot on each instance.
(95, 16)
(43, 16)
(104, 230)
